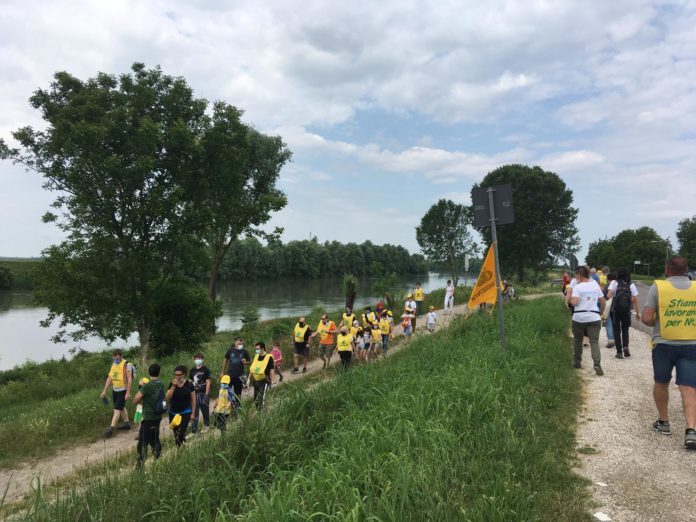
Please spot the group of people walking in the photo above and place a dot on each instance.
(670, 308)
(187, 396)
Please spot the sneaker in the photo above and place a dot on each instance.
(662, 427)
(304, 369)
(124, 426)
(295, 370)
(626, 352)
(690, 439)
(108, 432)
(619, 355)
(598, 370)
(611, 344)
(203, 430)
(280, 377)
(577, 365)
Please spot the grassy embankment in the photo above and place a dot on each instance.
(476, 436)
(55, 404)
(22, 271)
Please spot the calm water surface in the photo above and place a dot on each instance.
(22, 339)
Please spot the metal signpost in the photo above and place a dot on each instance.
(493, 205)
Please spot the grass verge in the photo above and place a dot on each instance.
(449, 429)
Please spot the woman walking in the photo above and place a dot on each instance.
(181, 397)
(624, 296)
(588, 304)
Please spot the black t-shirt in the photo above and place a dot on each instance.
(181, 399)
(235, 363)
(198, 376)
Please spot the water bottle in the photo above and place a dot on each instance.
(138, 414)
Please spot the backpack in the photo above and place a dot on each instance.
(160, 405)
(622, 298)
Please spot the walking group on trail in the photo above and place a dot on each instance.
(187, 396)
(670, 308)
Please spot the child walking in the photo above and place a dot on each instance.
(431, 320)
(223, 408)
(277, 359)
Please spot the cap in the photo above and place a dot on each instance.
(409, 296)
(432, 307)
(225, 379)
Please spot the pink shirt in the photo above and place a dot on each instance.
(277, 354)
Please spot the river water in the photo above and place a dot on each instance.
(22, 338)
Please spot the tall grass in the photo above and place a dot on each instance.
(449, 429)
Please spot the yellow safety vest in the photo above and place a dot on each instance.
(348, 319)
(118, 374)
(258, 367)
(300, 332)
(376, 335)
(369, 318)
(384, 325)
(677, 311)
(418, 294)
(326, 332)
(343, 342)
(354, 331)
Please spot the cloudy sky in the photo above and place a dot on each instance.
(389, 106)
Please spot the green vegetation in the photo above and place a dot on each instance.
(686, 235)
(21, 272)
(642, 244)
(250, 259)
(544, 227)
(444, 236)
(61, 398)
(480, 436)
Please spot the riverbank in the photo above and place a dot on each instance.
(55, 405)
(21, 272)
(373, 441)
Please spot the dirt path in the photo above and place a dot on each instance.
(18, 481)
(637, 474)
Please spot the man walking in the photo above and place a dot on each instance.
(670, 309)
(233, 365)
(301, 334)
(119, 378)
(151, 396)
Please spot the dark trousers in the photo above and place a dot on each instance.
(221, 421)
(180, 430)
(345, 358)
(149, 435)
(202, 407)
(622, 322)
(260, 388)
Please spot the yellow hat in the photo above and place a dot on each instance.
(176, 421)
(225, 379)
(432, 307)
(409, 296)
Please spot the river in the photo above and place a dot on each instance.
(22, 338)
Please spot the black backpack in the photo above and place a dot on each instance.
(622, 298)
(160, 405)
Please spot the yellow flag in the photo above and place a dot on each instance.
(485, 291)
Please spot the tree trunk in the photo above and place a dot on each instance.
(214, 272)
(390, 300)
(144, 338)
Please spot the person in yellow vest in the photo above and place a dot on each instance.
(301, 335)
(602, 274)
(368, 318)
(347, 318)
(261, 374)
(120, 379)
(326, 330)
(376, 334)
(419, 297)
(670, 309)
(385, 329)
(345, 344)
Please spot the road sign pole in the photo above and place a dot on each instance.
(494, 234)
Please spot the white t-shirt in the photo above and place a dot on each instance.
(449, 290)
(615, 284)
(432, 317)
(411, 304)
(587, 309)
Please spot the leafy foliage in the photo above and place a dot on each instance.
(443, 235)
(250, 259)
(641, 244)
(6, 278)
(686, 234)
(544, 226)
(250, 318)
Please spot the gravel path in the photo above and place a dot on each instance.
(637, 474)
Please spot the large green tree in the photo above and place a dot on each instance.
(241, 167)
(628, 246)
(123, 155)
(544, 227)
(686, 234)
(444, 236)
(601, 253)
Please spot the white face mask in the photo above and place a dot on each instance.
(258, 351)
(198, 362)
(240, 347)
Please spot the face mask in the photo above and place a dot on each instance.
(258, 351)
(198, 362)
(117, 360)
(240, 347)
(302, 323)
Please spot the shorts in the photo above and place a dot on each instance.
(301, 349)
(666, 357)
(324, 348)
(119, 398)
(430, 327)
(366, 347)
